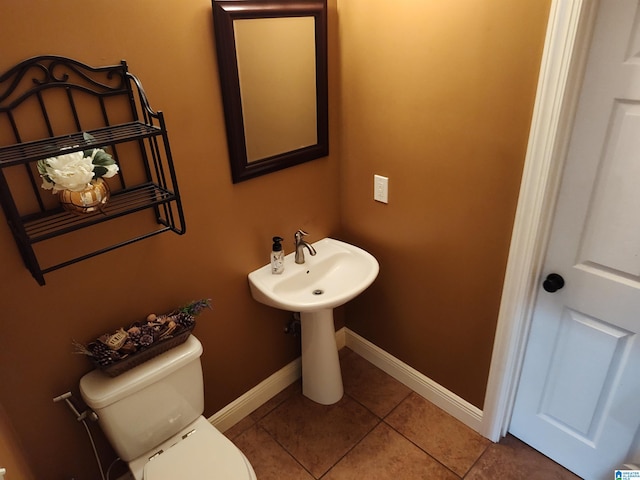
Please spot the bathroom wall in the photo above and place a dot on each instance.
(438, 96)
(11, 454)
(170, 47)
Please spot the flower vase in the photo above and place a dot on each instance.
(92, 199)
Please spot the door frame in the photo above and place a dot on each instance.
(567, 41)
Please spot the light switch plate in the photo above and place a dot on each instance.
(381, 189)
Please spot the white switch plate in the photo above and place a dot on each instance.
(381, 189)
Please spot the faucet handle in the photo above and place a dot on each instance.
(299, 234)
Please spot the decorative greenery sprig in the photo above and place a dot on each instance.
(196, 307)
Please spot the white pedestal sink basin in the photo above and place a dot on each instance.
(336, 274)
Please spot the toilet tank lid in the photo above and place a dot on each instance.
(99, 391)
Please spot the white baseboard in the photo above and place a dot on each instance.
(422, 385)
(258, 395)
(419, 383)
(341, 337)
(264, 391)
(448, 401)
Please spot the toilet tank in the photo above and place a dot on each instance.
(148, 404)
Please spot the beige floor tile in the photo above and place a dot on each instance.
(512, 459)
(386, 455)
(292, 438)
(293, 389)
(269, 460)
(369, 385)
(439, 434)
(318, 435)
(248, 421)
(244, 424)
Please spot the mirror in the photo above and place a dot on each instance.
(272, 58)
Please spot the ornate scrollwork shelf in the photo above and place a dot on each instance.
(53, 101)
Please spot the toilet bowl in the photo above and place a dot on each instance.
(152, 416)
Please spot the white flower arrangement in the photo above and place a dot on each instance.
(76, 170)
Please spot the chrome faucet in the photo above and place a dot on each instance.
(300, 245)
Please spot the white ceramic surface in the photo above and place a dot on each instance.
(336, 274)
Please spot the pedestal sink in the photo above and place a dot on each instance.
(336, 274)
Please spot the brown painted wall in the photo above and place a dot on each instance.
(170, 47)
(438, 96)
(11, 452)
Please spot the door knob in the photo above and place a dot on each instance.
(553, 282)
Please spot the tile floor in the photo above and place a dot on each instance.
(379, 430)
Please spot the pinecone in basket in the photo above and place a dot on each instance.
(102, 354)
(134, 335)
(185, 320)
(148, 330)
(146, 340)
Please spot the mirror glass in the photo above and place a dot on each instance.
(277, 75)
(272, 60)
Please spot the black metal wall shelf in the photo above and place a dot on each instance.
(56, 100)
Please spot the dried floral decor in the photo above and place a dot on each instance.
(117, 352)
(76, 170)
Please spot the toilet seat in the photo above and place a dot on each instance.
(205, 454)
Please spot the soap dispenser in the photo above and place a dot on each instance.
(277, 256)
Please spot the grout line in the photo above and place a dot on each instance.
(383, 419)
(471, 467)
(285, 449)
(420, 448)
(257, 396)
(441, 397)
(379, 421)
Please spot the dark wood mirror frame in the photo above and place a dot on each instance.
(224, 14)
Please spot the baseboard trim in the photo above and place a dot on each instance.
(448, 401)
(419, 383)
(257, 396)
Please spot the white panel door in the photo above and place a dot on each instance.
(578, 399)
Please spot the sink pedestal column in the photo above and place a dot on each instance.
(321, 377)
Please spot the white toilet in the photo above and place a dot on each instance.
(152, 415)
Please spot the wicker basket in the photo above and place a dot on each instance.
(141, 356)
